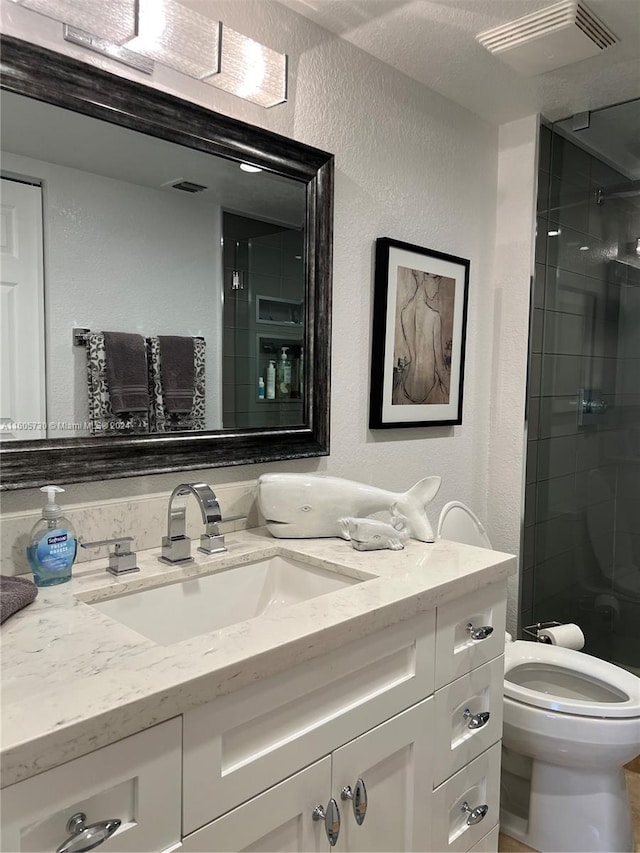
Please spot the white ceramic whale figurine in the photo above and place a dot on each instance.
(303, 506)
(369, 534)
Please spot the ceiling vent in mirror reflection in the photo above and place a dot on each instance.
(188, 187)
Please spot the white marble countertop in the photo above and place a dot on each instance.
(74, 680)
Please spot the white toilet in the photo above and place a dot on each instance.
(571, 721)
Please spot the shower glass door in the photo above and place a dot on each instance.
(582, 505)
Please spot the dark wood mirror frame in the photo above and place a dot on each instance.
(57, 79)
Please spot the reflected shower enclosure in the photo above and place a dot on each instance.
(581, 541)
(263, 313)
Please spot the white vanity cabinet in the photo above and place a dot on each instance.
(394, 758)
(373, 710)
(407, 720)
(244, 743)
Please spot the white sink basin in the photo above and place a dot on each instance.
(174, 612)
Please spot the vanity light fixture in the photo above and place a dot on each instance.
(114, 51)
(112, 20)
(176, 36)
(250, 70)
(247, 167)
(138, 32)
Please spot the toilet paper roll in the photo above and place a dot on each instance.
(568, 636)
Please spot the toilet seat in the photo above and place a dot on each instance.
(459, 524)
(569, 682)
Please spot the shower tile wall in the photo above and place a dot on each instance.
(582, 482)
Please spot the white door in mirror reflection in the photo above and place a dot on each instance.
(22, 382)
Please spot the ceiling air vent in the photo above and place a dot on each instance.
(188, 187)
(550, 38)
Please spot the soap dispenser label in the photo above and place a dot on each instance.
(56, 550)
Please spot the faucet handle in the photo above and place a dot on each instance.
(212, 541)
(122, 560)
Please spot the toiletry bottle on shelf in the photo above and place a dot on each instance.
(53, 545)
(261, 388)
(283, 378)
(271, 381)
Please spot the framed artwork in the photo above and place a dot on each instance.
(419, 330)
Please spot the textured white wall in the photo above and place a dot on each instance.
(409, 165)
(514, 263)
(117, 257)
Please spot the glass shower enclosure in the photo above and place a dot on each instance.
(581, 541)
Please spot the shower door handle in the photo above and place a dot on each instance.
(594, 407)
(590, 404)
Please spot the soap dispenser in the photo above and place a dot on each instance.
(53, 545)
(284, 375)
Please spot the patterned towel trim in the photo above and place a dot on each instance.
(160, 419)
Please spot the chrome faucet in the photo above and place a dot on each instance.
(176, 545)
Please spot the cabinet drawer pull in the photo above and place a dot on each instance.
(476, 721)
(479, 633)
(331, 818)
(83, 837)
(358, 800)
(474, 815)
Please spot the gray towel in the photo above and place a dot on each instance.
(177, 367)
(126, 369)
(15, 593)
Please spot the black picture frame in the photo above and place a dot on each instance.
(419, 336)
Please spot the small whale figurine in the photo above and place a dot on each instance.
(370, 534)
(305, 506)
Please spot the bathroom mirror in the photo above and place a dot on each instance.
(157, 141)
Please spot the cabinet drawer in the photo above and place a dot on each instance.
(136, 780)
(458, 739)
(478, 784)
(488, 844)
(456, 651)
(246, 742)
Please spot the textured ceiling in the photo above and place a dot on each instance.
(433, 41)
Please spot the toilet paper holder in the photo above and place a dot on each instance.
(532, 630)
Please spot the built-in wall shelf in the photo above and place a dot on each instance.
(271, 309)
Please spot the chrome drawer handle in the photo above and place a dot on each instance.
(358, 799)
(476, 721)
(331, 818)
(474, 815)
(479, 633)
(83, 837)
